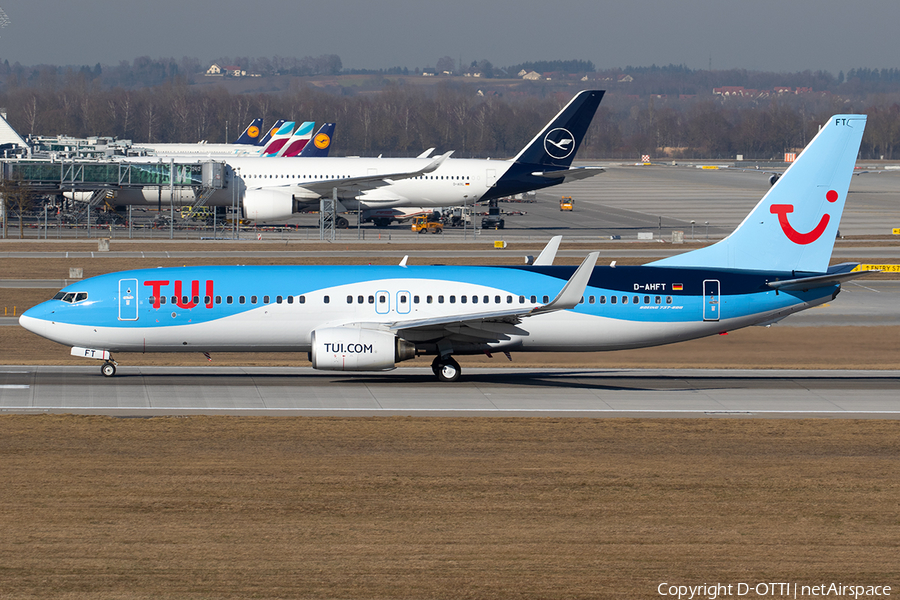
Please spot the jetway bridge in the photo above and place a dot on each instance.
(101, 178)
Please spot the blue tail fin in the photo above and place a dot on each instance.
(793, 227)
(272, 130)
(557, 144)
(321, 142)
(251, 134)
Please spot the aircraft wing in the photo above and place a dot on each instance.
(573, 174)
(325, 187)
(569, 297)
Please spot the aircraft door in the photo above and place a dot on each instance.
(382, 302)
(711, 305)
(403, 302)
(128, 302)
(490, 178)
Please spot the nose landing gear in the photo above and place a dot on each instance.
(108, 369)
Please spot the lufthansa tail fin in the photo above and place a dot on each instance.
(299, 140)
(794, 226)
(278, 140)
(272, 131)
(321, 143)
(251, 134)
(558, 142)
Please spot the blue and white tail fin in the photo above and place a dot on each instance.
(558, 142)
(251, 134)
(272, 131)
(321, 143)
(794, 226)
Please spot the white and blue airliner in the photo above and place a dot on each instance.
(369, 318)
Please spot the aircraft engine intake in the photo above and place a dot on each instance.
(356, 349)
(268, 205)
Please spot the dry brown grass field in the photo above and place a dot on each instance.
(219, 507)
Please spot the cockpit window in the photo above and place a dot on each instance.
(71, 297)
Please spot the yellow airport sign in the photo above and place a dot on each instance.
(883, 268)
(500, 245)
(896, 231)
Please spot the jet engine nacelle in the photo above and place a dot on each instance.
(773, 178)
(268, 205)
(355, 349)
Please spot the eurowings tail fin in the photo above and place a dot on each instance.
(558, 142)
(299, 140)
(251, 134)
(278, 140)
(794, 226)
(321, 143)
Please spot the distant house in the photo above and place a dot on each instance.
(214, 71)
(428, 72)
(626, 79)
(532, 76)
(235, 71)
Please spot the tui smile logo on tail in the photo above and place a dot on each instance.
(782, 210)
(559, 143)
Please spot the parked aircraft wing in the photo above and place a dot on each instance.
(325, 187)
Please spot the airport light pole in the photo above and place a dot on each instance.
(707, 229)
(692, 230)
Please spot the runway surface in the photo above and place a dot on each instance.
(153, 391)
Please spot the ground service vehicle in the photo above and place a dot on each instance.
(566, 203)
(423, 224)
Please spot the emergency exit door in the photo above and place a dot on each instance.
(712, 307)
(128, 301)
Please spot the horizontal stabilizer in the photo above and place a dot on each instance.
(571, 174)
(838, 274)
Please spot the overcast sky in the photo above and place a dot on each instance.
(766, 35)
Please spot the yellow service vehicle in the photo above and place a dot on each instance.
(566, 203)
(421, 224)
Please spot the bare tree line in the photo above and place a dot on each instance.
(402, 120)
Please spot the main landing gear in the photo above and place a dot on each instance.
(108, 369)
(446, 369)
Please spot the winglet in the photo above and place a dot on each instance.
(548, 254)
(572, 293)
(403, 262)
(426, 154)
(437, 162)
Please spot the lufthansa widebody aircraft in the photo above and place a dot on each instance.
(275, 189)
(368, 318)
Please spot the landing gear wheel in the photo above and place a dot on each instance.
(108, 369)
(446, 369)
(342, 223)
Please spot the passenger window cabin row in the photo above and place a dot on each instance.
(403, 299)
